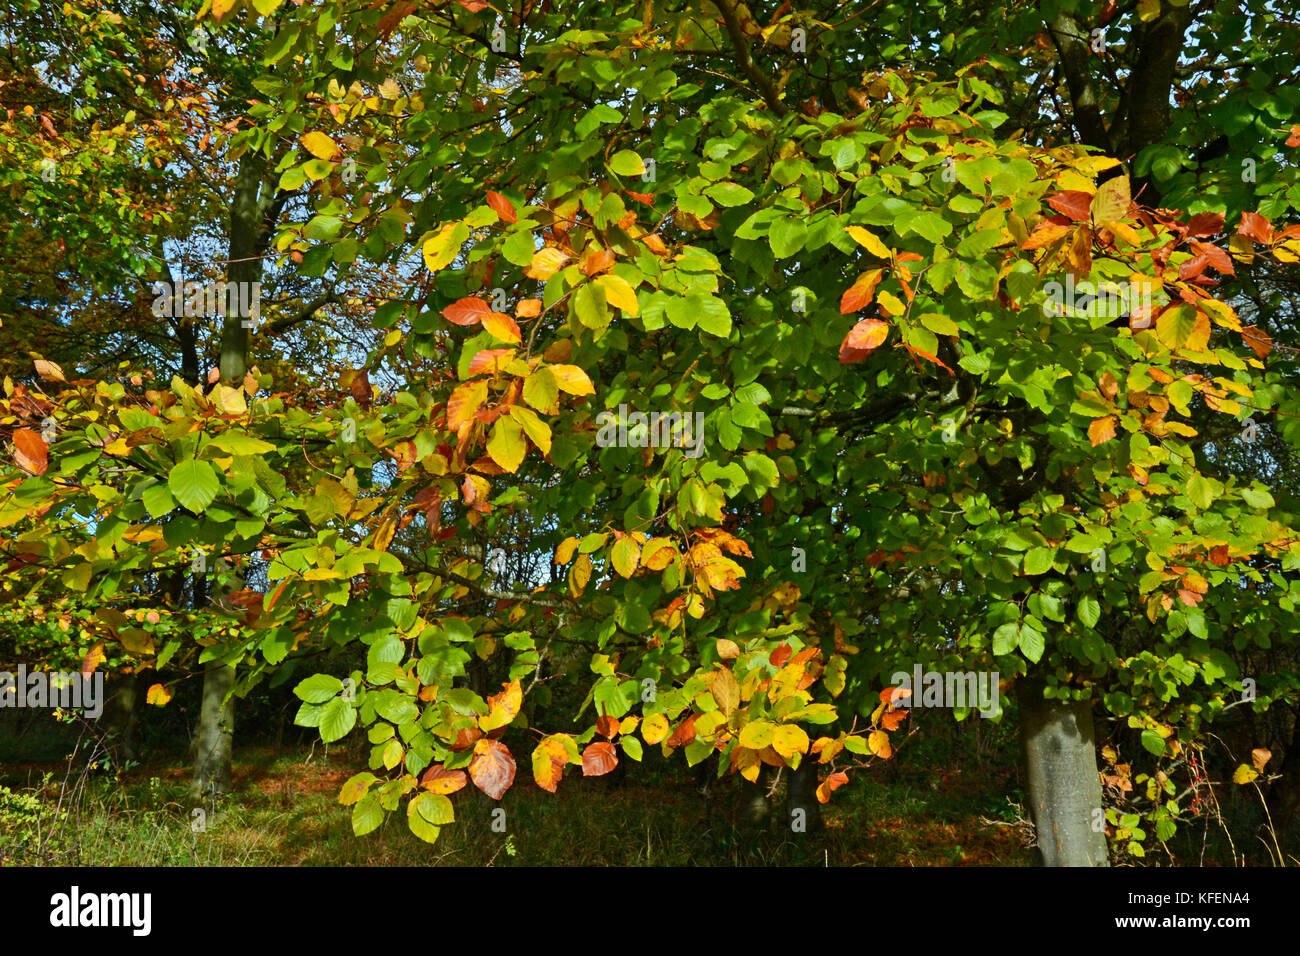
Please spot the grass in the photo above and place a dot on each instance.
(284, 811)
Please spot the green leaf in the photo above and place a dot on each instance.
(787, 236)
(1153, 742)
(729, 194)
(318, 688)
(626, 163)
(194, 484)
(1089, 610)
(367, 814)
(1039, 560)
(1032, 643)
(338, 717)
(158, 501)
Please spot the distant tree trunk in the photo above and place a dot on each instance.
(121, 718)
(803, 813)
(1284, 794)
(1064, 787)
(214, 739)
(755, 808)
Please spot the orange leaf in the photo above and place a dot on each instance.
(862, 339)
(527, 308)
(1101, 430)
(493, 768)
(1257, 339)
(464, 402)
(502, 326)
(504, 707)
(606, 725)
(858, 296)
(549, 759)
(598, 759)
(441, 780)
(468, 311)
(490, 360)
(830, 785)
(30, 451)
(1256, 227)
(502, 206)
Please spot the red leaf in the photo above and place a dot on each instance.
(1254, 226)
(1218, 258)
(1072, 203)
(606, 725)
(1193, 267)
(502, 206)
(493, 768)
(780, 655)
(1205, 224)
(468, 311)
(1219, 555)
(598, 759)
(30, 451)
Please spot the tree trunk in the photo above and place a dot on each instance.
(1064, 787)
(803, 814)
(755, 808)
(214, 739)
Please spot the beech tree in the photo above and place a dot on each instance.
(964, 365)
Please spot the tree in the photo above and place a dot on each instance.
(914, 447)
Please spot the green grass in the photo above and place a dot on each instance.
(284, 811)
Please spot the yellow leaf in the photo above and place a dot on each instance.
(1244, 774)
(618, 293)
(546, 262)
(564, 553)
(158, 695)
(440, 249)
(654, 729)
(789, 739)
(868, 241)
(572, 379)
(315, 142)
(878, 744)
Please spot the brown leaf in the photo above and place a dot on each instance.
(598, 759)
(1072, 203)
(493, 768)
(607, 726)
(49, 371)
(1256, 227)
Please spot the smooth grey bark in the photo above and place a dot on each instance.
(801, 795)
(1063, 784)
(214, 739)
